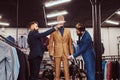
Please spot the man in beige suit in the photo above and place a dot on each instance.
(60, 46)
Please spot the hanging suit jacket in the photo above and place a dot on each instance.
(6, 62)
(88, 54)
(62, 44)
(24, 67)
(36, 44)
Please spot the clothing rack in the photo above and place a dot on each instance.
(110, 67)
(111, 57)
(22, 66)
(10, 42)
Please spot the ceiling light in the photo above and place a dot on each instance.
(4, 24)
(112, 22)
(55, 22)
(53, 3)
(118, 12)
(57, 14)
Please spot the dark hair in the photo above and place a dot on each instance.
(30, 23)
(80, 27)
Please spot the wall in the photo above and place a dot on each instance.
(13, 31)
(108, 36)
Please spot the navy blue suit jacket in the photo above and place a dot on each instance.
(88, 54)
(36, 44)
(85, 46)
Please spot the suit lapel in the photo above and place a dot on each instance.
(59, 34)
(83, 36)
(64, 33)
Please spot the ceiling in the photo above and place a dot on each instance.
(78, 11)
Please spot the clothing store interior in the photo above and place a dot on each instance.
(27, 53)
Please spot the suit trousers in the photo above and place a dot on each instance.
(35, 68)
(58, 61)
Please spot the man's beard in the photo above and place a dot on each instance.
(79, 34)
(36, 29)
(61, 27)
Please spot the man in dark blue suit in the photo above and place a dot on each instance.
(36, 48)
(86, 50)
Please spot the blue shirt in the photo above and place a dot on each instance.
(61, 30)
(16, 63)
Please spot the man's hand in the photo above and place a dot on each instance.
(58, 26)
(70, 57)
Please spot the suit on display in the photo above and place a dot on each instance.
(62, 48)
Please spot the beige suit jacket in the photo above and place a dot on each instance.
(59, 45)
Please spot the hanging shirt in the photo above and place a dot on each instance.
(11, 39)
(16, 63)
(22, 42)
(6, 61)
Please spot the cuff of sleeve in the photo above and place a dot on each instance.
(55, 27)
(72, 56)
